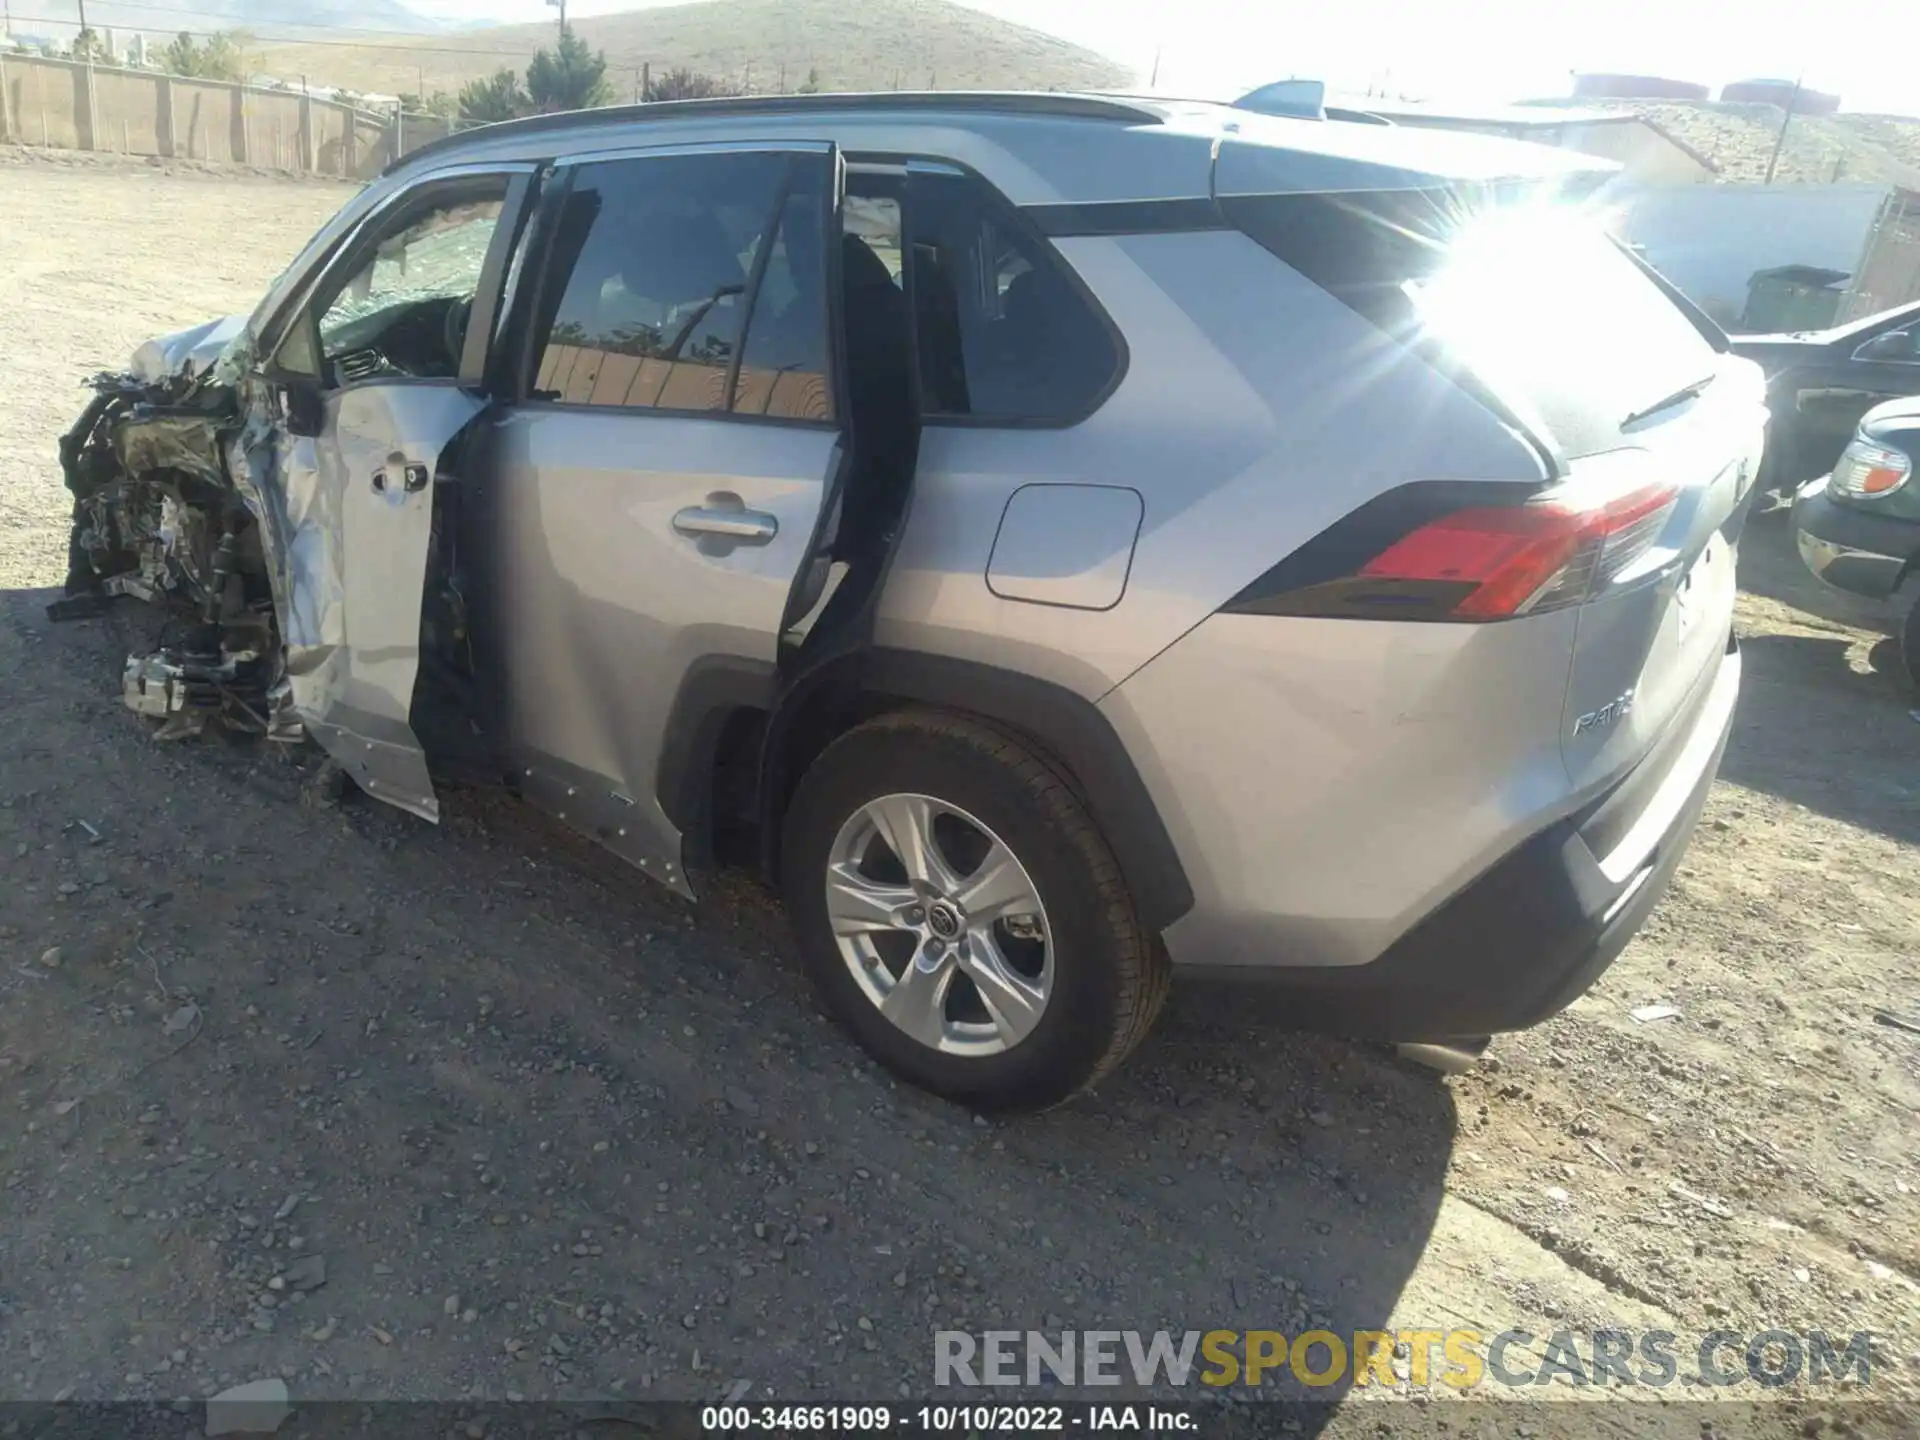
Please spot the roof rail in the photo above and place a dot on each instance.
(997, 102)
(1355, 117)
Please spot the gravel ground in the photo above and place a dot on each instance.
(291, 1088)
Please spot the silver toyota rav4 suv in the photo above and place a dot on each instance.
(1069, 543)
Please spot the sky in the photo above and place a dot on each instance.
(1478, 50)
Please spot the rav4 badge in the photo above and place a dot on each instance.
(1615, 709)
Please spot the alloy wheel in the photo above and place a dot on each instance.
(940, 925)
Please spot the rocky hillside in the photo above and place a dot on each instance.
(1820, 149)
(759, 45)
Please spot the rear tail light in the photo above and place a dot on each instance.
(1869, 469)
(1523, 559)
(1451, 551)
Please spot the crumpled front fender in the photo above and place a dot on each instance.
(186, 354)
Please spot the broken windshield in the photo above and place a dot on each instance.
(438, 257)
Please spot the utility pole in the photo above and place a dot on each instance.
(1780, 140)
(1153, 80)
(646, 80)
(561, 6)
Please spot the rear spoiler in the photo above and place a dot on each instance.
(1708, 327)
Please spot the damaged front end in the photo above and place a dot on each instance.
(158, 517)
(232, 495)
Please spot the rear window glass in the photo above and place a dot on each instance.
(1005, 335)
(1532, 298)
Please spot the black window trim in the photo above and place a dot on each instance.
(1179, 216)
(1016, 219)
(896, 178)
(516, 360)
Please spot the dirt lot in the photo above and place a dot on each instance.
(556, 1135)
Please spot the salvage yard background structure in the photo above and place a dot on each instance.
(76, 105)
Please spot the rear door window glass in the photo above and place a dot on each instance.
(1004, 331)
(648, 291)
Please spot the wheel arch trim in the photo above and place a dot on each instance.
(1069, 730)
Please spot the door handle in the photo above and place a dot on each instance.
(413, 478)
(727, 522)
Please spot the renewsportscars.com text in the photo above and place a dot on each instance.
(1460, 1359)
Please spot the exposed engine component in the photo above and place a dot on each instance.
(156, 518)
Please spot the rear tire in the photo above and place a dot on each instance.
(1910, 645)
(1069, 982)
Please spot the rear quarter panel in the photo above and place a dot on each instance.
(1256, 410)
(1328, 782)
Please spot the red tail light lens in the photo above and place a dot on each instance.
(1524, 559)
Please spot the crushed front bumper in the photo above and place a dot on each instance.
(1850, 548)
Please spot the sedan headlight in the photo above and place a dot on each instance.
(1869, 469)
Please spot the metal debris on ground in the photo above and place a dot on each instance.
(1646, 1014)
(1895, 1022)
(1694, 1197)
(1611, 1163)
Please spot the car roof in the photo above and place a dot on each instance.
(1089, 147)
(660, 112)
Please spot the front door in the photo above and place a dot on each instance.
(652, 492)
(374, 378)
(1832, 399)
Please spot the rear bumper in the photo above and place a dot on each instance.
(1849, 548)
(1523, 941)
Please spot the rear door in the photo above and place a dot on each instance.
(648, 498)
(374, 378)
